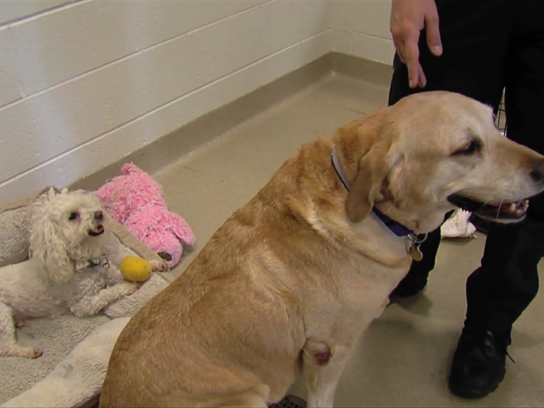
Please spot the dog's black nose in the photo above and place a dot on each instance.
(538, 173)
(99, 215)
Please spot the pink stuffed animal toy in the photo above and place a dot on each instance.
(136, 201)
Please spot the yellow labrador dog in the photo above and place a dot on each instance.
(287, 285)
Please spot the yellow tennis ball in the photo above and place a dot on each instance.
(135, 269)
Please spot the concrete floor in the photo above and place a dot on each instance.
(403, 358)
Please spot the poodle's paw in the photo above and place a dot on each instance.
(128, 288)
(20, 324)
(14, 350)
(159, 266)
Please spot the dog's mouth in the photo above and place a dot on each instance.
(505, 211)
(97, 232)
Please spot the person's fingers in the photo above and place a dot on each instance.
(433, 33)
(411, 56)
(398, 47)
(422, 79)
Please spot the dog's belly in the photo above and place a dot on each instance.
(28, 296)
(36, 311)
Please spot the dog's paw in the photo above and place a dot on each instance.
(159, 266)
(128, 288)
(29, 352)
(20, 324)
(15, 350)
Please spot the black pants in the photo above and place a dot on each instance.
(490, 45)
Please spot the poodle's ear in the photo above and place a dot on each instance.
(180, 229)
(47, 244)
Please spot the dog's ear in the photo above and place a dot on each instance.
(374, 167)
(46, 243)
(366, 145)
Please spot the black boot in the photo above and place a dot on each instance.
(478, 364)
(497, 294)
(411, 285)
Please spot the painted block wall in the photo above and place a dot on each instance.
(361, 28)
(84, 83)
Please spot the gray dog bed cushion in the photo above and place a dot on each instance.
(76, 378)
(14, 227)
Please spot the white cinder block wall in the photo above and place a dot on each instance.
(84, 83)
(361, 28)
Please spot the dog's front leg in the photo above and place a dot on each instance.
(117, 252)
(323, 364)
(92, 304)
(114, 276)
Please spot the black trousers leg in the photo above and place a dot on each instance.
(507, 281)
(501, 289)
(475, 41)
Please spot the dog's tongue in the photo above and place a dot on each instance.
(99, 231)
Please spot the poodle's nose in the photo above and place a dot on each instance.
(99, 215)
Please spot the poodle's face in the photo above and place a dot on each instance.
(78, 216)
(67, 227)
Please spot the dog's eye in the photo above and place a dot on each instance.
(72, 216)
(470, 149)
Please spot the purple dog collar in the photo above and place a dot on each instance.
(398, 229)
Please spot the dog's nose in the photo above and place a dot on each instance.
(99, 215)
(538, 173)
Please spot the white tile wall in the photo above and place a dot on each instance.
(372, 48)
(63, 45)
(84, 83)
(361, 28)
(13, 10)
(10, 83)
(108, 147)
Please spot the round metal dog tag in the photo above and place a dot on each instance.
(415, 253)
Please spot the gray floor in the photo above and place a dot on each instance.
(403, 358)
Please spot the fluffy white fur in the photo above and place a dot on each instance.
(72, 268)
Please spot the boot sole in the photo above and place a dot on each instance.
(473, 393)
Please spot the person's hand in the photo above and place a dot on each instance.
(408, 18)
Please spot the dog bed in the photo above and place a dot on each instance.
(76, 350)
(14, 223)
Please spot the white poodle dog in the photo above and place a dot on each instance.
(72, 268)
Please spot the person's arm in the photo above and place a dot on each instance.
(408, 18)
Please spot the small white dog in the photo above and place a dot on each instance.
(72, 268)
